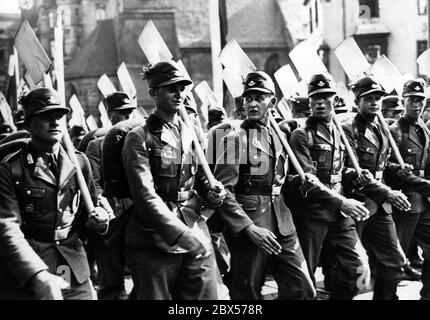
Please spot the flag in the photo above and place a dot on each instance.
(104, 118)
(78, 114)
(91, 123)
(6, 112)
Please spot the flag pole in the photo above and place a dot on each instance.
(216, 48)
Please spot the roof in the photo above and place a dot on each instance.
(98, 54)
(280, 18)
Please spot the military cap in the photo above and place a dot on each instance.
(321, 83)
(414, 88)
(258, 81)
(118, 101)
(365, 86)
(76, 131)
(216, 114)
(300, 104)
(41, 100)
(340, 106)
(164, 73)
(392, 103)
(18, 117)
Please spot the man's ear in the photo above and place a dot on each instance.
(273, 101)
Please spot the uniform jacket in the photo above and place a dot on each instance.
(373, 154)
(414, 152)
(158, 170)
(322, 154)
(36, 212)
(253, 171)
(94, 154)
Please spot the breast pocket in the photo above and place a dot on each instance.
(164, 162)
(366, 156)
(32, 199)
(321, 156)
(410, 155)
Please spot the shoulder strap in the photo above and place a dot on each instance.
(354, 128)
(149, 137)
(15, 166)
(310, 136)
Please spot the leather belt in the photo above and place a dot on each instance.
(177, 196)
(418, 173)
(42, 233)
(330, 178)
(274, 191)
(378, 175)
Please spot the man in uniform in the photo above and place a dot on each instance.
(378, 233)
(110, 263)
(319, 222)
(41, 218)
(392, 108)
(413, 139)
(168, 247)
(300, 107)
(76, 135)
(253, 167)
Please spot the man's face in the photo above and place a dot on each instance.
(169, 98)
(370, 104)
(47, 127)
(413, 106)
(257, 104)
(393, 114)
(321, 105)
(120, 115)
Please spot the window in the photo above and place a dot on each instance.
(422, 7)
(373, 6)
(421, 47)
(372, 52)
(100, 11)
(51, 18)
(67, 17)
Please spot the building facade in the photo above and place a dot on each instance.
(267, 30)
(396, 28)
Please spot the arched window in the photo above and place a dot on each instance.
(100, 11)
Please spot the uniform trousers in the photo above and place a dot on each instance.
(349, 257)
(249, 264)
(379, 237)
(110, 266)
(159, 275)
(416, 226)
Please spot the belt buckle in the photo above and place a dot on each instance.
(276, 191)
(378, 175)
(61, 234)
(334, 178)
(183, 195)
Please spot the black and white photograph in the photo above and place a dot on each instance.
(217, 155)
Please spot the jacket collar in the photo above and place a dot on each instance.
(320, 128)
(408, 127)
(365, 127)
(37, 163)
(157, 125)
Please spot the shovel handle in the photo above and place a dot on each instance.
(345, 140)
(198, 148)
(288, 149)
(391, 140)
